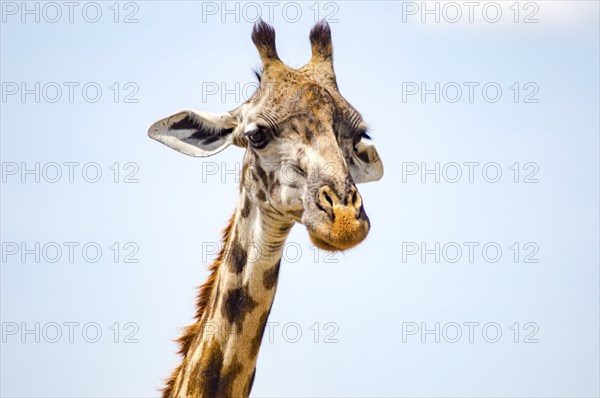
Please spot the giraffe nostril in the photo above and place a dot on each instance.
(328, 199)
(354, 198)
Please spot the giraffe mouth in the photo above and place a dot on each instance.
(343, 232)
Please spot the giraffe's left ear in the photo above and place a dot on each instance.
(195, 133)
(365, 164)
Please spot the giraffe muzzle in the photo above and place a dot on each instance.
(341, 222)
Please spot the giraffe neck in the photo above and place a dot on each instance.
(220, 350)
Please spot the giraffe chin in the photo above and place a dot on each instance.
(333, 246)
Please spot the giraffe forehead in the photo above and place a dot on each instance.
(289, 75)
(284, 84)
(303, 110)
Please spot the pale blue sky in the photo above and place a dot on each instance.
(370, 295)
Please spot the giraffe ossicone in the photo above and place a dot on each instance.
(306, 148)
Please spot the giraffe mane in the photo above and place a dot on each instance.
(204, 293)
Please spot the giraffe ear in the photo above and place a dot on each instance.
(195, 133)
(365, 164)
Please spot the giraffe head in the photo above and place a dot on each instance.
(306, 146)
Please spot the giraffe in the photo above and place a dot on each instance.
(306, 148)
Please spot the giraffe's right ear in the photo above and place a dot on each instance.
(195, 133)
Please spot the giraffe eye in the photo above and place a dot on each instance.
(257, 138)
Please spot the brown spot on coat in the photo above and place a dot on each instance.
(210, 376)
(262, 175)
(228, 377)
(271, 275)
(308, 133)
(245, 207)
(276, 184)
(236, 305)
(238, 258)
(206, 373)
